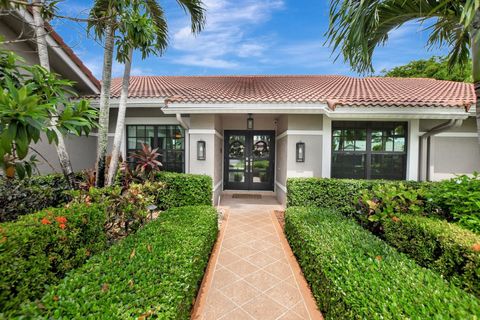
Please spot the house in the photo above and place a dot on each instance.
(16, 29)
(254, 132)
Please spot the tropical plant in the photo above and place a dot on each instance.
(30, 98)
(143, 26)
(146, 162)
(434, 68)
(358, 27)
(127, 19)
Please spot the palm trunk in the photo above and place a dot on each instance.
(102, 142)
(475, 34)
(41, 39)
(122, 108)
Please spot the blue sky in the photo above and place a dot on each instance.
(246, 37)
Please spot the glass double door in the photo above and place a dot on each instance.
(249, 160)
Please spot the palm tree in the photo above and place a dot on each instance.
(153, 39)
(103, 21)
(107, 28)
(358, 27)
(42, 48)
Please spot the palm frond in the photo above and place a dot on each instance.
(197, 13)
(357, 28)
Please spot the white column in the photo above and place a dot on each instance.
(413, 149)
(326, 147)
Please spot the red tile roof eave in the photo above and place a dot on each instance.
(70, 52)
(72, 55)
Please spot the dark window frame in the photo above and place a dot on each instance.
(168, 155)
(368, 153)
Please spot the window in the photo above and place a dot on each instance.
(169, 139)
(369, 150)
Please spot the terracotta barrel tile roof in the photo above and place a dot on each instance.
(336, 90)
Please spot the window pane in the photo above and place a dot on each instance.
(388, 166)
(150, 132)
(140, 131)
(399, 145)
(377, 141)
(360, 140)
(132, 142)
(337, 145)
(236, 177)
(132, 130)
(348, 166)
(388, 144)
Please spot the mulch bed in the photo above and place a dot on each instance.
(280, 214)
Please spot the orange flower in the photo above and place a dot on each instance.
(379, 258)
(395, 219)
(476, 247)
(45, 221)
(62, 226)
(61, 220)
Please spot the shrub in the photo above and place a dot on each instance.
(385, 201)
(127, 210)
(452, 251)
(152, 273)
(183, 190)
(338, 194)
(355, 275)
(20, 197)
(38, 250)
(459, 199)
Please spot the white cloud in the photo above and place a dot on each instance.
(206, 62)
(226, 37)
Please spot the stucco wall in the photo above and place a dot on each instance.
(455, 151)
(82, 152)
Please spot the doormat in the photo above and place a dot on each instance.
(246, 196)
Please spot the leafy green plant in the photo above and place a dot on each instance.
(387, 201)
(39, 249)
(182, 189)
(154, 273)
(452, 251)
(339, 194)
(355, 275)
(20, 197)
(459, 200)
(127, 208)
(146, 161)
(34, 101)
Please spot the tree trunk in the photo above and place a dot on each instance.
(42, 47)
(475, 34)
(102, 141)
(122, 108)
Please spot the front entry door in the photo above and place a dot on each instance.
(249, 160)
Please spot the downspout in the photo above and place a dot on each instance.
(425, 146)
(180, 120)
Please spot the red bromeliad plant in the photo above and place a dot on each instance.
(146, 162)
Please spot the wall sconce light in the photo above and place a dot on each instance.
(300, 152)
(201, 152)
(250, 122)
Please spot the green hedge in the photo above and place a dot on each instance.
(155, 272)
(447, 248)
(355, 275)
(184, 190)
(20, 197)
(38, 250)
(338, 194)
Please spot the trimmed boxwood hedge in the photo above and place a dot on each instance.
(183, 189)
(38, 250)
(355, 275)
(452, 251)
(338, 194)
(154, 273)
(20, 197)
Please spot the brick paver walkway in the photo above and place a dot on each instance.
(254, 274)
